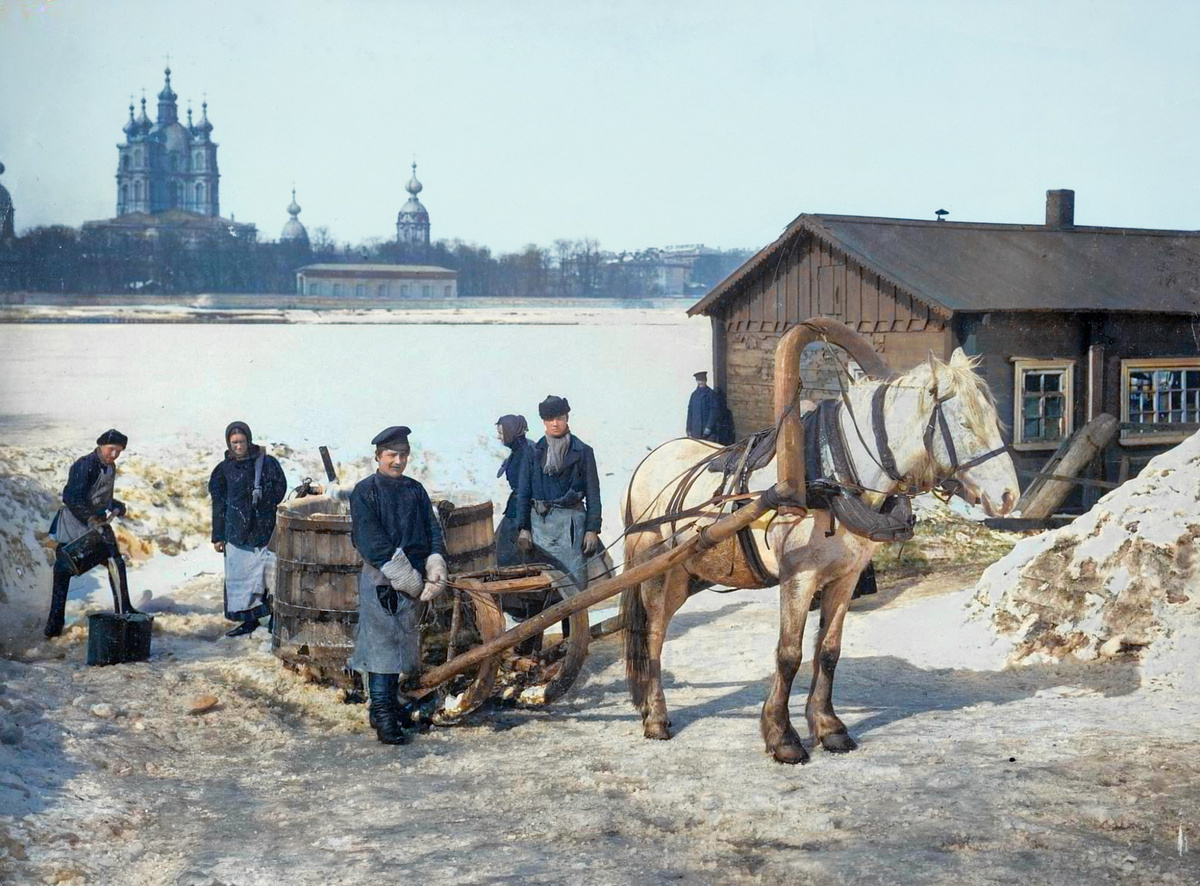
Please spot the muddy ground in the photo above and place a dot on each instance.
(965, 773)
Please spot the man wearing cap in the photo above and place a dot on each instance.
(393, 527)
(245, 487)
(558, 502)
(511, 430)
(703, 411)
(88, 505)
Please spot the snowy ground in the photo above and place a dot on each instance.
(968, 771)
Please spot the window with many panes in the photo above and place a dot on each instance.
(1160, 397)
(1043, 403)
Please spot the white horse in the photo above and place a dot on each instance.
(940, 424)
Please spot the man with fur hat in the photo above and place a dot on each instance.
(558, 502)
(394, 529)
(88, 505)
(246, 487)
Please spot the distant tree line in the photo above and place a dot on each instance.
(100, 260)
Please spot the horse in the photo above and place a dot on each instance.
(805, 551)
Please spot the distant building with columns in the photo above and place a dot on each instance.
(377, 281)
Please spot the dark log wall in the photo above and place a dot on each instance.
(810, 279)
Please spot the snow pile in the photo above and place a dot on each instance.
(1123, 577)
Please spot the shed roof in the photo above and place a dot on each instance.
(961, 266)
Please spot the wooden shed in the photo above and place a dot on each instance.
(1069, 321)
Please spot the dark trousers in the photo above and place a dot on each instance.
(62, 584)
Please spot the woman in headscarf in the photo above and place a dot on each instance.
(511, 430)
(246, 487)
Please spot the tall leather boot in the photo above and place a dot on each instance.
(58, 602)
(383, 712)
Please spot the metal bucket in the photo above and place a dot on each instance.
(116, 638)
(84, 553)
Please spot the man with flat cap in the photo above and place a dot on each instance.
(88, 505)
(245, 487)
(394, 529)
(558, 499)
(704, 413)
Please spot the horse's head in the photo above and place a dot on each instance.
(963, 433)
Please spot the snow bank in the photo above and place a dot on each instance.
(1123, 577)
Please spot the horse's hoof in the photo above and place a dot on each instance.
(838, 743)
(790, 754)
(657, 731)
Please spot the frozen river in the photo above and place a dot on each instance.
(309, 384)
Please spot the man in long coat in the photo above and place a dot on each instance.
(393, 528)
(704, 411)
(88, 505)
(246, 487)
(558, 503)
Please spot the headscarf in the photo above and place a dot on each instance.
(512, 427)
(239, 427)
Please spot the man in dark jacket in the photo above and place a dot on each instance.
(88, 505)
(704, 413)
(558, 501)
(393, 528)
(511, 429)
(246, 487)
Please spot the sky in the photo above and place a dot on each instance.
(635, 124)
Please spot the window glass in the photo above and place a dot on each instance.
(1044, 403)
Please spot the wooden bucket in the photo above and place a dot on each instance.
(316, 577)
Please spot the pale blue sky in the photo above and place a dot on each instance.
(635, 123)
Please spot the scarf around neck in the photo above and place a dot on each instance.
(556, 451)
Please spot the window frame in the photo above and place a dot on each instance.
(1023, 365)
(1152, 437)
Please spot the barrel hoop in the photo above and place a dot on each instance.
(474, 553)
(311, 614)
(301, 566)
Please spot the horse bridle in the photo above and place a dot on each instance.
(937, 421)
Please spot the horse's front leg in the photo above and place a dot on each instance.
(825, 725)
(795, 594)
(663, 600)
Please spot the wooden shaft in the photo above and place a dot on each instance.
(1082, 448)
(717, 532)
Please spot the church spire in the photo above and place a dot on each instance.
(167, 112)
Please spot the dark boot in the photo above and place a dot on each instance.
(58, 602)
(249, 626)
(383, 712)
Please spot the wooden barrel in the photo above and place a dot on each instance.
(316, 577)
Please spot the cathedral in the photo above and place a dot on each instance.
(166, 165)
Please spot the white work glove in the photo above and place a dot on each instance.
(401, 574)
(336, 491)
(436, 577)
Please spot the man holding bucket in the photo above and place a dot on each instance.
(246, 487)
(393, 528)
(85, 538)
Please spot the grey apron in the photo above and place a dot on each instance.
(385, 643)
(248, 572)
(560, 534)
(66, 527)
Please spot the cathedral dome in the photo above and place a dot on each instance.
(414, 187)
(176, 139)
(413, 211)
(167, 94)
(131, 128)
(293, 231)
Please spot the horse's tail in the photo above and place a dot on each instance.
(635, 621)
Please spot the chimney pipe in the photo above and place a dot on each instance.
(1060, 209)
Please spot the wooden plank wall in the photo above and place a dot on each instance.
(806, 279)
